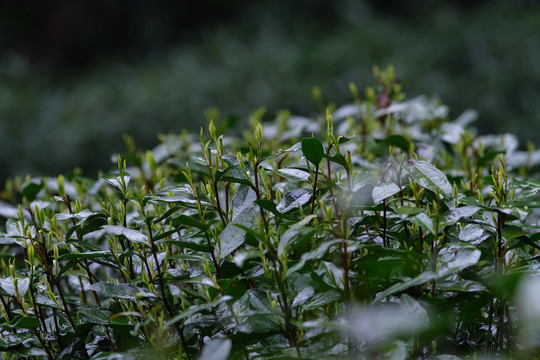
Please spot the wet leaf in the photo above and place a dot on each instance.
(131, 235)
(424, 221)
(8, 211)
(320, 299)
(96, 315)
(24, 322)
(456, 258)
(473, 233)
(121, 291)
(407, 211)
(184, 220)
(243, 256)
(177, 199)
(315, 254)
(216, 349)
(11, 340)
(84, 255)
(384, 191)
(295, 231)
(196, 309)
(294, 199)
(295, 147)
(429, 177)
(244, 197)
(116, 180)
(233, 236)
(421, 279)
(9, 286)
(294, 174)
(455, 215)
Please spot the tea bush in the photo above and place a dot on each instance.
(271, 55)
(380, 229)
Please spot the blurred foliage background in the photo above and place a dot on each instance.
(75, 76)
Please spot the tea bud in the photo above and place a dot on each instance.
(212, 129)
(259, 133)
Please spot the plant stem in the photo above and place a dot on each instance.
(162, 284)
(258, 194)
(214, 260)
(384, 225)
(314, 189)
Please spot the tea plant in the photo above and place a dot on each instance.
(380, 229)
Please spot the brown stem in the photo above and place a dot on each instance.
(214, 185)
(314, 189)
(162, 285)
(258, 194)
(384, 224)
(290, 329)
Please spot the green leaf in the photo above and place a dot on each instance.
(292, 200)
(268, 206)
(454, 215)
(294, 174)
(338, 159)
(407, 211)
(455, 258)
(189, 245)
(96, 315)
(424, 221)
(46, 302)
(8, 285)
(242, 256)
(315, 254)
(121, 291)
(28, 353)
(397, 350)
(131, 235)
(8, 211)
(116, 180)
(413, 307)
(396, 141)
(313, 150)
(232, 237)
(177, 199)
(238, 181)
(32, 188)
(189, 221)
(7, 240)
(384, 191)
(242, 199)
(84, 255)
(429, 177)
(195, 309)
(296, 230)
(87, 225)
(256, 327)
(460, 285)
(24, 322)
(293, 148)
(216, 349)
(473, 233)
(421, 279)
(320, 299)
(512, 232)
(11, 340)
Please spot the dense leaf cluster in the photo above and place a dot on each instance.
(379, 230)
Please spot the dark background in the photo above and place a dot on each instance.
(76, 75)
